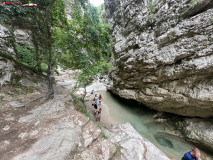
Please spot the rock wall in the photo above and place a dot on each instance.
(23, 36)
(9, 37)
(198, 132)
(5, 46)
(163, 53)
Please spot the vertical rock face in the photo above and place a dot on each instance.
(5, 46)
(198, 132)
(164, 53)
(23, 36)
(6, 70)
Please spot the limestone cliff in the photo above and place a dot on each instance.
(164, 53)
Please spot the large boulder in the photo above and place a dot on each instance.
(164, 54)
(132, 145)
(23, 37)
(197, 131)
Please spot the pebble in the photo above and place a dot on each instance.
(6, 128)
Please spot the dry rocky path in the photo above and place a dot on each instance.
(34, 129)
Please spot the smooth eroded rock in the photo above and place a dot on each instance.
(16, 104)
(132, 145)
(90, 133)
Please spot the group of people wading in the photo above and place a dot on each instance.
(97, 101)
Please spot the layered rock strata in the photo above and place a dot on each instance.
(5, 45)
(164, 53)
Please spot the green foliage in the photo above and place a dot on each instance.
(87, 113)
(10, 12)
(91, 71)
(105, 136)
(116, 145)
(56, 71)
(194, 1)
(151, 17)
(79, 105)
(86, 40)
(17, 92)
(26, 54)
(173, 32)
(83, 43)
(29, 90)
(35, 80)
(211, 18)
(16, 78)
(151, 6)
(44, 66)
(92, 119)
(76, 99)
(100, 126)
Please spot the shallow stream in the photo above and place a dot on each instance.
(141, 118)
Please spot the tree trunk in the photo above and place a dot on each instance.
(50, 93)
(85, 92)
(35, 42)
(38, 65)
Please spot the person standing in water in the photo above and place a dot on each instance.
(193, 155)
(100, 98)
(98, 115)
(96, 99)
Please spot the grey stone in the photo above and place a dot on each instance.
(4, 32)
(90, 133)
(163, 54)
(27, 82)
(197, 131)
(56, 145)
(132, 145)
(103, 149)
(6, 128)
(33, 133)
(16, 104)
(22, 36)
(6, 70)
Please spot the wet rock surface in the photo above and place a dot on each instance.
(164, 54)
(132, 145)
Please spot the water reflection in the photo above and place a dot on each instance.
(142, 120)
